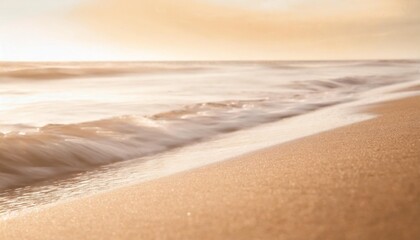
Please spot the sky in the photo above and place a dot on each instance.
(90, 30)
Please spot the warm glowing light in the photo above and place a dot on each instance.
(208, 29)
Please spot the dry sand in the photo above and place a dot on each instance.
(357, 182)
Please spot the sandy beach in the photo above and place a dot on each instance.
(361, 181)
(209, 119)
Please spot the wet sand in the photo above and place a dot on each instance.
(361, 181)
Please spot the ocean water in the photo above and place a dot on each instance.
(61, 118)
(72, 129)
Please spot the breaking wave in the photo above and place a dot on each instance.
(64, 148)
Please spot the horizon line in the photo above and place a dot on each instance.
(242, 60)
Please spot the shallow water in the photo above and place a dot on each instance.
(60, 118)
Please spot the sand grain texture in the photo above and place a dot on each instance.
(361, 181)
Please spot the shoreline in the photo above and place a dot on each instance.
(358, 181)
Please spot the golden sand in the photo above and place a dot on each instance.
(361, 181)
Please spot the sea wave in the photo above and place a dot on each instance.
(56, 149)
(53, 71)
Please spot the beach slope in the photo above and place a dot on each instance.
(361, 181)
